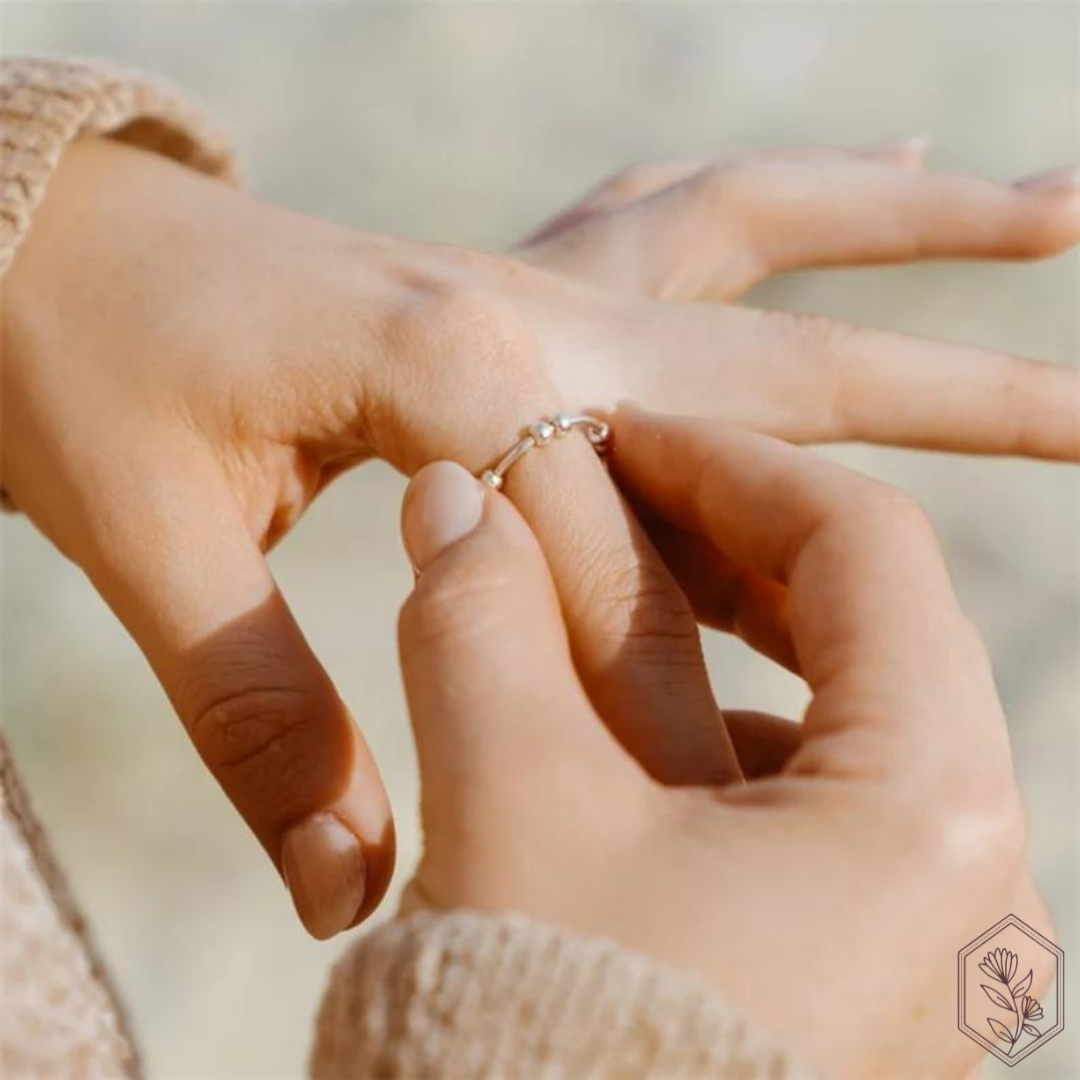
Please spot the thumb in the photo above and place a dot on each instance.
(496, 705)
(194, 590)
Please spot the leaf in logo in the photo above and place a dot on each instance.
(999, 1029)
(1032, 1030)
(996, 998)
(1022, 987)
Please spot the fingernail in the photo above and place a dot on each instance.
(443, 504)
(914, 147)
(1063, 180)
(324, 870)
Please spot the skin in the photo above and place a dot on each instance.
(186, 367)
(866, 842)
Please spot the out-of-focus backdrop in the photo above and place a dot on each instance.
(468, 123)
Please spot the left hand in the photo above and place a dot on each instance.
(187, 367)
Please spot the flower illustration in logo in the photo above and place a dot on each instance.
(1031, 1009)
(1000, 965)
(998, 1000)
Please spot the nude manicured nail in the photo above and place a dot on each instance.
(324, 870)
(912, 147)
(1064, 181)
(443, 504)
(915, 145)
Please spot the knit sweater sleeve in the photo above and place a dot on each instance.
(46, 103)
(469, 995)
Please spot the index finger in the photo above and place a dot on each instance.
(879, 634)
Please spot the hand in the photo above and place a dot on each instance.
(187, 367)
(888, 823)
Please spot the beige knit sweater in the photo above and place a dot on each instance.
(452, 995)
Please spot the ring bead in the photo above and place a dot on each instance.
(542, 432)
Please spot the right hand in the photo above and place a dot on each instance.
(827, 896)
(187, 367)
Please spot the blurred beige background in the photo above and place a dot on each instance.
(468, 123)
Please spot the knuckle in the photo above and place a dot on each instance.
(828, 346)
(1024, 388)
(253, 728)
(460, 604)
(446, 317)
(634, 602)
(461, 349)
(892, 507)
(973, 836)
(824, 337)
(730, 181)
(709, 191)
(873, 508)
(987, 838)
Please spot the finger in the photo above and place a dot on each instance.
(633, 635)
(859, 211)
(715, 233)
(173, 558)
(764, 743)
(874, 386)
(726, 596)
(497, 708)
(878, 633)
(639, 181)
(809, 379)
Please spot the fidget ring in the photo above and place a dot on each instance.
(540, 434)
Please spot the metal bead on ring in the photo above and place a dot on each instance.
(598, 434)
(543, 431)
(540, 434)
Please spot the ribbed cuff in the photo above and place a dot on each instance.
(59, 1014)
(45, 103)
(469, 995)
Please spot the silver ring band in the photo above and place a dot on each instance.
(540, 434)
